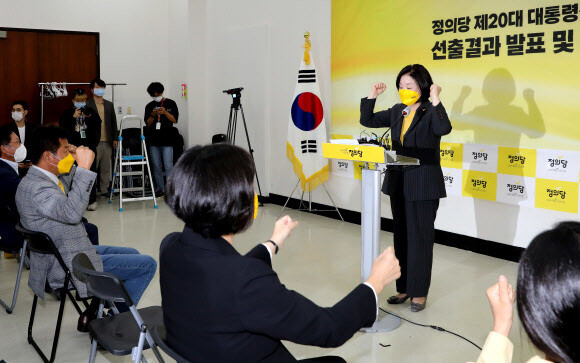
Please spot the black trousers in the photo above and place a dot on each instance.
(414, 235)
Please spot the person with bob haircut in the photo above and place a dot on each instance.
(416, 128)
(548, 299)
(221, 306)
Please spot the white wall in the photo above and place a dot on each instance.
(140, 41)
(257, 44)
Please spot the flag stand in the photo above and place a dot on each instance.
(309, 208)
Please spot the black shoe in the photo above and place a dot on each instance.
(394, 300)
(159, 194)
(416, 307)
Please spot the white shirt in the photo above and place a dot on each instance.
(13, 164)
(52, 177)
(22, 133)
(366, 283)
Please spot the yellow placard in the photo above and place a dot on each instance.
(371, 154)
(479, 184)
(358, 167)
(517, 161)
(451, 155)
(338, 137)
(557, 195)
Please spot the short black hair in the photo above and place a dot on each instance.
(78, 92)
(45, 138)
(155, 87)
(98, 82)
(5, 135)
(548, 292)
(211, 189)
(421, 75)
(22, 103)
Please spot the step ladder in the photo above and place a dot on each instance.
(129, 161)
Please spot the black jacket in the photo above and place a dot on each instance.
(220, 306)
(110, 118)
(93, 131)
(9, 181)
(422, 141)
(28, 130)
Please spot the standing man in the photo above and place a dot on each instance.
(84, 128)
(109, 133)
(160, 116)
(22, 129)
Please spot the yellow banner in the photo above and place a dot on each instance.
(479, 184)
(517, 161)
(557, 195)
(505, 68)
(451, 155)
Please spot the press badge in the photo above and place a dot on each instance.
(158, 126)
(83, 134)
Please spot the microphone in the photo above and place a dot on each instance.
(406, 111)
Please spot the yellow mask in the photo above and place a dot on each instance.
(64, 165)
(408, 97)
(256, 205)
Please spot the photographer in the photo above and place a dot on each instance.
(84, 129)
(160, 115)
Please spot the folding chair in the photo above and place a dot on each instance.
(120, 334)
(10, 309)
(39, 242)
(159, 336)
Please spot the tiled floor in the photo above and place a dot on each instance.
(321, 260)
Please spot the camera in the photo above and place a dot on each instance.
(236, 95)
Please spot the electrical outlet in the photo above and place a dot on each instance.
(120, 110)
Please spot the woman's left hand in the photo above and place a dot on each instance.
(282, 229)
(435, 90)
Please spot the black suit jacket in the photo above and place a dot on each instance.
(110, 118)
(422, 141)
(28, 130)
(220, 306)
(93, 132)
(9, 181)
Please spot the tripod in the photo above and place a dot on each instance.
(232, 128)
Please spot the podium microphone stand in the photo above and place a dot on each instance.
(371, 209)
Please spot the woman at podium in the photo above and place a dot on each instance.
(417, 125)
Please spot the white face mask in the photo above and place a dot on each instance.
(19, 154)
(158, 99)
(17, 116)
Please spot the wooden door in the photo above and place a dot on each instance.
(28, 57)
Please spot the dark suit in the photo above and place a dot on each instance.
(220, 306)
(28, 130)
(10, 239)
(414, 190)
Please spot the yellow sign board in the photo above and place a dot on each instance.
(516, 161)
(557, 195)
(479, 184)
(451, 155)
(371, 154)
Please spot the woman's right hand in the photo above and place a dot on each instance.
(377, 89)
(501, 298)
(282, 229)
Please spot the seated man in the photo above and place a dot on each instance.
(12, 152)
(52, 199)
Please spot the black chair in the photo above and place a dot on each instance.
(41, 243)
(158, 333)
(122, 333)
(21, 253)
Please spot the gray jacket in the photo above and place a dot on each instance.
(45, 208)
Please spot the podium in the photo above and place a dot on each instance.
(371, 208)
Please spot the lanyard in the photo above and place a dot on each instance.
(158, 115)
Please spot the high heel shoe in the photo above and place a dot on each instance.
(394, 300)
